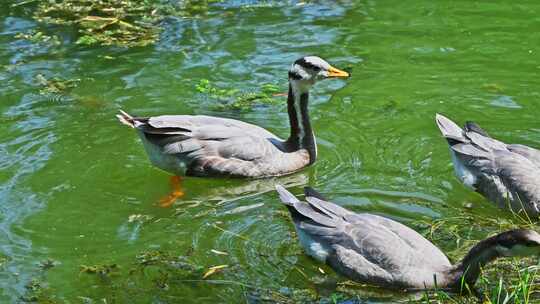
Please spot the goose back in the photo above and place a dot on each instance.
(212, 146)
(366, 247)
(508, 175)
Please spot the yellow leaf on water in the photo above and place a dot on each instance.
(213, 270)
(97, 18)
(219, 252)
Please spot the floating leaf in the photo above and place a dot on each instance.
(219, 252)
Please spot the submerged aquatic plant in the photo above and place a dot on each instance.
(234, 99)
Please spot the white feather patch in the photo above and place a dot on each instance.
(462, 173)
(313, 248)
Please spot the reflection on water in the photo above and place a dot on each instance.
(245, 189)
(220, 200)
(77, 188)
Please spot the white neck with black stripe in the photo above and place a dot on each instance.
(302, 136)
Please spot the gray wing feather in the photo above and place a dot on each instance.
(470, 151)
(359, 268)
(485, 143)
(183, 146)
(328, 233)
(330, 209)
(205, 126)
(473, 157)
(320, 219)
(531, 154)
(520, 178)
(183, 121)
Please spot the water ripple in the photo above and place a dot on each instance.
(24, 151)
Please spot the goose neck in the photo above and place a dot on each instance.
(469, 268)
(302, 136)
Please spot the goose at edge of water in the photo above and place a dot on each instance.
(376, 250)
(200, 145)
(507, 174)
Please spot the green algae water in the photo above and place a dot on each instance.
(80, 221)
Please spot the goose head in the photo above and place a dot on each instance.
(518, 243)
(307, 70)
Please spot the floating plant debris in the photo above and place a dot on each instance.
(56, 85)
(104, 269)
(213, 270)
(38, 292)
(38, 37)
(125, 23)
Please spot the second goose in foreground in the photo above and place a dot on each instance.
(214, 146)
(508, 175)
(373, 249)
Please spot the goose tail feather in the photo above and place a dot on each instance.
(450, 130)
(126, 119)
(285, 196)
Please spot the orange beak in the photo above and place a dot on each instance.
(333, 72)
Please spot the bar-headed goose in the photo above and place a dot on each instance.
(201, 145)
(209, 146)
(376, 250)
(508, 175)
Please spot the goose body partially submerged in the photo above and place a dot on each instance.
(376, 250)
(212, 146)
(507, 174)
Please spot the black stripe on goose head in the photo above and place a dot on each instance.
(313, 63)
(304, 69)
(306, 63)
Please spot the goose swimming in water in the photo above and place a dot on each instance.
(376, 250)
(507, 174)
(201, 145)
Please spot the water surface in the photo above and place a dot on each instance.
(77, 188)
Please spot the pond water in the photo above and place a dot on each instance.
(76, 187)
